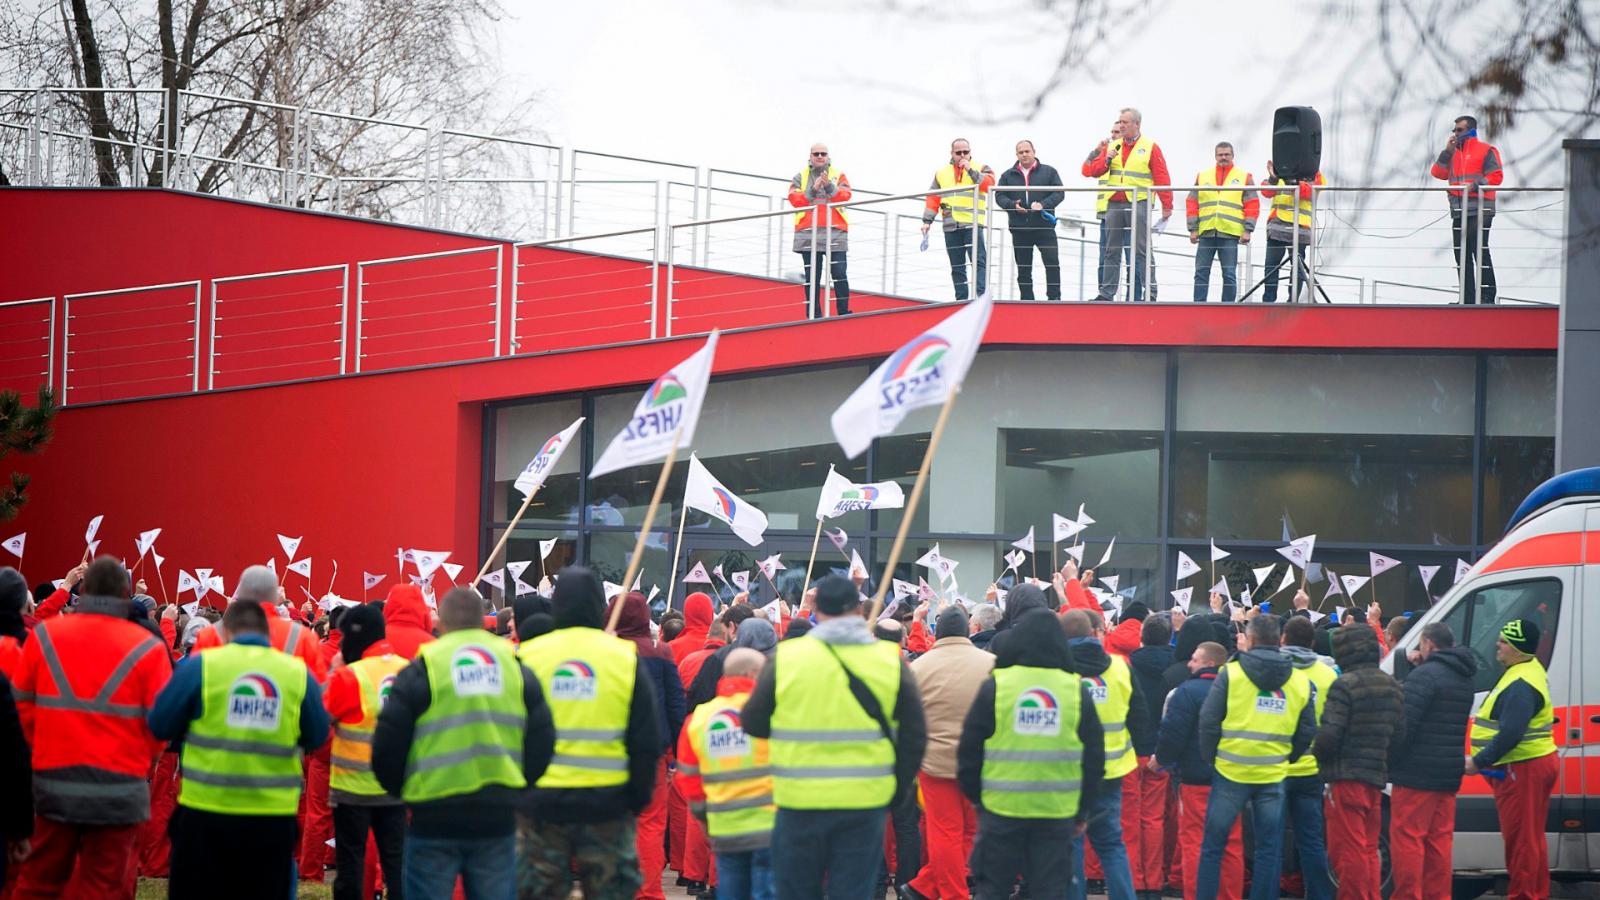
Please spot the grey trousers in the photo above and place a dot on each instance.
(1125, 223)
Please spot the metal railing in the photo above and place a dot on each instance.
(131, 346)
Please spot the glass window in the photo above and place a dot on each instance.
(1519, 435)
(609, 552)
(1477, 619)
(519, 432)
(523, 547)
(1358, 448)
(1136, 567)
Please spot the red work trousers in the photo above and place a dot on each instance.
(79, 861)
(698, 862)
(677, 822)
(1191, 834)
(1354, 813)
(1173, 860)
(1148, 820)
(650, 838)
(155, 851)
(1422, 827)
(317, 825)
(1522, 800)
(949, 824)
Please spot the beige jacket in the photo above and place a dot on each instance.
(948, 676)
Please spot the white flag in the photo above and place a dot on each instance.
(1353, 583)
(215, 583)
(856, 564)
(1381, 563)
(495, 579)
(741, 580)
(654, 590)
(944, 567)
(517, 568)
(1221, 587)
(1339, 611)
(1076, 553)
(840, 495)
(1427, 573)
(837, 537)
(160, 560)
(523, 588)
(1106, 557)
(704, 492)
(1288, 579)
(925, 590)
(1262, 573)
(94, 547)
(290, 545)
(429, 561)
(1083, 518)
(94, 528)
(1218, 555)
(1462, 568)
(903, 588)
(1333, 588)
(1181, 597)
(452, 569)
(1186, 566)
(1064, 527)
(697, 575)
(190, 609)
(638, 582)
(1111, 582)
(1025, 543)
(1299, 551)
(1014, 559)
(923, 372)
(186, 582)
(612, 590)
(544, 462)
(772, 565)
(546, 546)
(15, 544)
(1316, 616)
(667, 413)
(146, 540)
(272, 565)
(370, 581)
(301, 567)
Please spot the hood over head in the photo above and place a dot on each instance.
(697, 613)
(1195, 631)
(1019, 600)
(1303, 657)
(1460, 659)
(1036, 639)
(1268, 667)
(404, 608)
(756, 633)
(362, 626)
(633, 624)
(1089, 656)
(1355, 646)
(579, 600)
(532, 615)
(1151, 661)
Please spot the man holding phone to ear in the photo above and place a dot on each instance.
(1469, 165)
(821, 241)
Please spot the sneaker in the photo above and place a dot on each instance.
(907, 892)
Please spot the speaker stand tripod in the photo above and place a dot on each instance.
(1305, 279)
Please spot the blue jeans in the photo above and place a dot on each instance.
(827, 852)
(1226, 803)
(1303, 802)
(1221, 247)
(958, 246)
(487, 866)
(745, 876)
(1105, 835)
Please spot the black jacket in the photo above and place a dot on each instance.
(1089, 658)
(1438, 707)
(484, 813)
(16, 774)
(1036, 641)
(1196, 630)
(982, 639)
(1267, 668)
(1149, 665)
(1178, 740)
(1364, 715)
(1017, 203)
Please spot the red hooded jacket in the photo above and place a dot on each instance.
(697, 616)
(406, 621)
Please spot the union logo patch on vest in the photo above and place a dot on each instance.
(573, 680)
(1037, 713)
(725, 735)
(254, 703)
(475, 673)
(1097, 688)
(384, 688)
(1272, 702)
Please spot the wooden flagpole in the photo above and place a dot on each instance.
(815, 539)
(644, 528)
(163, 583)
(335, 577)
(911, 503)
(677, 553)
(501, 544)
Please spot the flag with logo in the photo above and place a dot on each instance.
(938, 563)
(544, 462)
(840, 495)
(1025, 543)
(290, 545)
(697, 575)
(1218, 555)
(1381, 564)
(1186, 566)
(370, 581)
(1427, 573)
(837, 537)
(771, 566)
(923, 372)
(1261, 574)
(1299, 551)
(301, 567)
(1181, 597)
(15, 544)
(666, 414)
(1353, 583)
(428, 561)
(704, 492)
(1064, 527)
(146, 540)
(1462, 568)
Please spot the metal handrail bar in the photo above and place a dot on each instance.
(129, 290)
(307, 271)
(848, 205)
(434, 255)
(584, 237)
(638, 159)
(187, 92)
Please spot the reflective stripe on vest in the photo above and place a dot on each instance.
(588, 678)
(836, 217)
(826, 752)
(67, 699)
(293, 640)
(1033, 763)
(1322, 677)
(958, 206)
(1220, 211)
(1102, 199)
(1538, 740)
(1284, 205)
(350, 768)
(1124, 176)
(1258, 729)
(241, 756)
(1112, 691)
(471, 735)
(733, 768)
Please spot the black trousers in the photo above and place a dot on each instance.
(905, 817)
(1038, 850)
(238, 857)
(841, 283)
(958, 246)
(350, 825)
(1023, 242)
(1470, 256)
(1277, 254)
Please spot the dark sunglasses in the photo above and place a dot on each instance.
(818, 153)
(960, 152)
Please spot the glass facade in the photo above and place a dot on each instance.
(1417, 456)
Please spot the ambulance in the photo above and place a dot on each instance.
(1546, 568)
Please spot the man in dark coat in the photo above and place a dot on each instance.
(1031, 212)
(1178, 748)
(1362, 719)
(1426, 768)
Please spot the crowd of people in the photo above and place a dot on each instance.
(1220, 214)
(1040, 744)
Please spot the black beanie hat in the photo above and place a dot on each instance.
(362, 626)
(1522, 634)
(1135, 610)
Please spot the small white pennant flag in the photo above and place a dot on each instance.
(1221, 587)
(290, 545)
(160, 560)
(1186, 566)
(1025, 543)
(496, 579)
(1106, 556)
(301, 567)
(837, 537)
(94, 547)
(923, 372)
(94, 528)
(665, 416)
(1064, 527)
(1298, 552)
(1262, 573)
(523, 589)
(429, 561)
(925, 590)
(186, 582)
(1381, 563)
(1083, 518)
(1218, 555)
(1014, 559)
(517, 568)
(190, 609)
(147, 540)
(370, 581)
(638, 582)
(546, 546)
(1339, 611)
(1111, 582)
(272, 565)
(1181, 598)
(903, 588)
(15, 544)
(612, 590)
(856, 564)
(771, 566)
(1288, 579)
(741, 580)
(1353, 583)
(938, 563)
(704, 492)
(654, 590)
(1462, 568)
(697, 575)
(1427, 573)
(452, 570)
(544, 462)
(1333, 587)
(1076, 553)
(215, 583)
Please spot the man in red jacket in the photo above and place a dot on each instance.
(1133, 164)
(83, 687)
(1469, 165)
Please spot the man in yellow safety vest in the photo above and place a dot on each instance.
(1288, 230)
(1133, 166)
(1221, 214)
(963, 219)
(846, 731)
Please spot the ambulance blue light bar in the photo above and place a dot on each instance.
(1566, 486)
